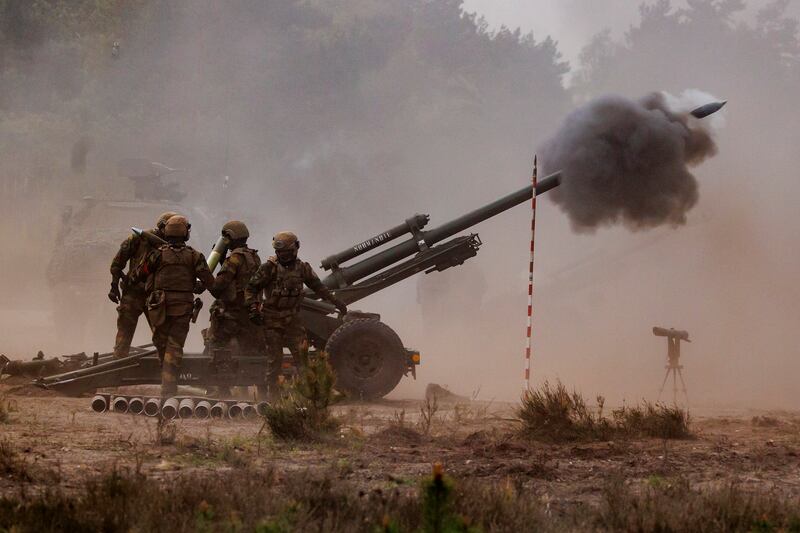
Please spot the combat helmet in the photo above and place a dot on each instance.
(162, 220)
(235, 230)
(286, 245)
(177, 227)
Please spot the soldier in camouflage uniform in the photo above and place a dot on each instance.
(172, 272)
(131, 301)
(280, 280)
(229, 316)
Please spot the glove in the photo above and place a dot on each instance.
(341, 306)
(255, 316)
(114, 294)
(199, 288)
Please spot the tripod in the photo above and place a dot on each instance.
(674, 367)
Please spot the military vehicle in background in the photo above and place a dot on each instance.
(88, 236)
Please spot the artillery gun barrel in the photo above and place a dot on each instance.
(411, 225)
(350, 274)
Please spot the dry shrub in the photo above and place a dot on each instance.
(765, 421)
(304, 411)
(11, 464)
(653, 420)
(427, 414)
(6, 408)
(552, 413)
(166, 432)
(675, 506)
(258, 500)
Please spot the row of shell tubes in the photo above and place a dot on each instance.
(177, 407)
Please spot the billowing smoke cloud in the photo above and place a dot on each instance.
(626, 161)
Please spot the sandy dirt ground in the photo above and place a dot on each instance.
(385, 445)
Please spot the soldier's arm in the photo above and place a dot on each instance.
(257, 283)
(313, 282)
(202, 272)
(226, 275)
(124, 254)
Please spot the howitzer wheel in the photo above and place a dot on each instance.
(368, 358)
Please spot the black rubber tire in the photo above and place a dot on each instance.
(368, 358)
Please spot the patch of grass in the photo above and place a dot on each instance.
(765, 421)
(675, 506)
(250, 500)
(552, 413)
(6, 408)
(236, 452)
(427, 414)
(11, 464)
(303, 414)
(166, 432)
(653, 420)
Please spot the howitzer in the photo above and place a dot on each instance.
(368, 357)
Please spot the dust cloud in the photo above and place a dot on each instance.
(340, 119)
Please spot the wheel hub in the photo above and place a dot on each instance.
(365, 358)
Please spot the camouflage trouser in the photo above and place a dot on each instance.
(230, 322)
(130, 308)
(169, 339)
(280, 332)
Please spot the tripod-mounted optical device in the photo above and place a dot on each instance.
(674, 338)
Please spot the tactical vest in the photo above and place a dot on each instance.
(250, 263)
(285, 291)
(176, 271)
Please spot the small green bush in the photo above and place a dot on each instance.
(303, 413)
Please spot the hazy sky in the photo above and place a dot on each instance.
(573, 22)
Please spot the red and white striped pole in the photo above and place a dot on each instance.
(526, 384)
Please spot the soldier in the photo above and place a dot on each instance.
(172, 272)
(280, 280)
(229, 316)
(132, 251)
